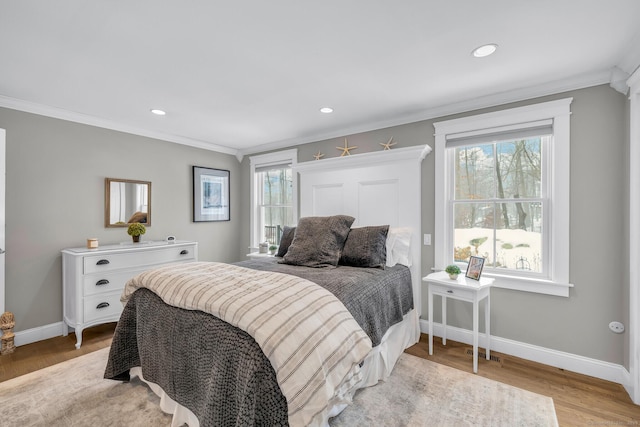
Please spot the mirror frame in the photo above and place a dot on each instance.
(107, 201)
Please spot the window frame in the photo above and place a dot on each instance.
(556, 186)
(258, 162)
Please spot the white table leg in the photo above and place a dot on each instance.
(430, 319)
(475, 337)
(444, 320)
(487, 323)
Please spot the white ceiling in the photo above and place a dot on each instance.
(243, 76)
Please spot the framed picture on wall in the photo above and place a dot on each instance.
(474, 268)
(210, 194)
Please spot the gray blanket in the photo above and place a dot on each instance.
(218, 371)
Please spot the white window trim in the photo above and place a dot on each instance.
(634, 230)
(557, 189)
(255, 162)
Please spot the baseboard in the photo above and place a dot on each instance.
(40, 333)
(628, 385)
(559, 359)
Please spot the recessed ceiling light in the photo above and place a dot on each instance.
(158, 112)
(484, 50)
(326, 110)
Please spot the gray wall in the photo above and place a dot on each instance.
(55, 199)
(578, 324)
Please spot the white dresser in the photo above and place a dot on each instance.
(93, 279)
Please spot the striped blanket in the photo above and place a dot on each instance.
(310, 338)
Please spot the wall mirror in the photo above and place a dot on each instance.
(126, 201)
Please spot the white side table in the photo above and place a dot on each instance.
(463, 289)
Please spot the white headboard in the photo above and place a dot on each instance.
(375, 188)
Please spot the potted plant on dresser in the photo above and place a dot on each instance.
(136, 230)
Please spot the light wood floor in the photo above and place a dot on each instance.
(579, 400)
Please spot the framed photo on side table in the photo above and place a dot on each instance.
(210, 194)
(474, 268)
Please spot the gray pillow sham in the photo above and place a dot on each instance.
(318, 241)
(366, 247)
(285, 240)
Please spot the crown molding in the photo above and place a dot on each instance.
(72, 116)
(634, 80)
(631, 60)
(501, 98)
(522, 94)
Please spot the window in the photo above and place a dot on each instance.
(502, 193)
(273, 196)
(498, 208)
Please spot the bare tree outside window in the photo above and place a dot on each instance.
(498, 205)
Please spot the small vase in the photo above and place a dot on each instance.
(136, 239)
(453, 276)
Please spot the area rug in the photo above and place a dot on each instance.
(424, 393)
(418, 393)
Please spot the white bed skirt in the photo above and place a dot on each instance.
(377, 367)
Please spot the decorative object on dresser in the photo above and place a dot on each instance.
(7, 323)
(136, 230)
(93, 279)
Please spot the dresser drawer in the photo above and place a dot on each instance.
(102, 306)
(108, 262)
(107, 281)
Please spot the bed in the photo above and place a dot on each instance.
(208, 370)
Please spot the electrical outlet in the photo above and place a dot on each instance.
(616, 327)
(427, 239)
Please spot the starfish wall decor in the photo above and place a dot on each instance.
(318, 156)
(346, 149)
(388, 145)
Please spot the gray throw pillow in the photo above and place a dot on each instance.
(318, 241)
(285, 240)
(366, 247)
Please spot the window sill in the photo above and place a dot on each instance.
(526, 284)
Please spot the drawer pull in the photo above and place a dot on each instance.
(449, 291)
(102, 282)
(184, 252)
(102, 305)
(102, 262)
